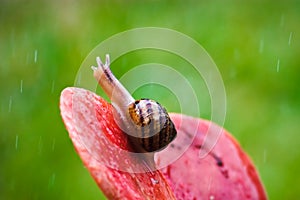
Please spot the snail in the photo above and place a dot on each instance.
(147, 123)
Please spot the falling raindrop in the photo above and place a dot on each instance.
(265, 156)
(282, 20)
(79, 79)
(2, 107)
(236, 54)
(51, 180)
(10, 104)
(53, 144)
(21, 86)
(12, 184)
(27, 58)
(261, 46)
(278, 64)
(17, 142)
(52, 87)
(40, 145)
(35, 55)
(209, 183)
(290, 38)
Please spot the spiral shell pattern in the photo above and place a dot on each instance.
(154, 129)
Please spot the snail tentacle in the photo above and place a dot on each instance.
(116, 92)
(145, 121)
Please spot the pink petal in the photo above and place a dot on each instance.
(95, 142)
(226, 173)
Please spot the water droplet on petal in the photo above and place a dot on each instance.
(154, 181)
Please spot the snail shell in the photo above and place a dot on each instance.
(146, 122)
(154, 129)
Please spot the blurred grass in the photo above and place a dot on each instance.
(42, 44)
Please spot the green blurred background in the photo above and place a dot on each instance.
(43, 43)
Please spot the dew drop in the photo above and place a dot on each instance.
(211, 197)
(278, 64)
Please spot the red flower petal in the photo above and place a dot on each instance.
(226, 173)
(95, 142)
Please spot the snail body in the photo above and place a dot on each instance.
(146, 122)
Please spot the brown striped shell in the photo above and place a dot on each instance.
(154, 129)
